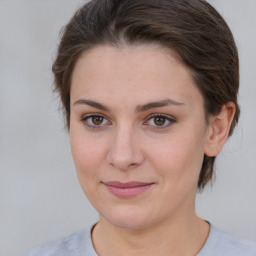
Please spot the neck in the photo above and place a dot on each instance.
(186, 236)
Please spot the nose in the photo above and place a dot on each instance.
(124, 152)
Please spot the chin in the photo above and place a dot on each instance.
(132, 218)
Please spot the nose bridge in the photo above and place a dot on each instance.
(125, 151)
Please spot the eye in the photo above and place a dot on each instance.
(160, 120)
(94, 120)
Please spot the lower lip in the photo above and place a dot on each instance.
(128, 191)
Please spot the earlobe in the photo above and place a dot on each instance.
(218, 129)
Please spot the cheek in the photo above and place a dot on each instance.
(87, 154)
(179, 157)
(87, 158)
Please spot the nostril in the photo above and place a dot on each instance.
(125, 161)
(132, 165)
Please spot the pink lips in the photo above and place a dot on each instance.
(128, 189)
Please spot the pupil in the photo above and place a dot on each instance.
(159, 120)
(97, 120)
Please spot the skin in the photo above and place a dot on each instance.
(119, 139)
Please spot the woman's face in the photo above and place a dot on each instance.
(138, 134)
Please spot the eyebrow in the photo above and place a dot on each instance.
(92, 104)
(157, 104)
(139, 108)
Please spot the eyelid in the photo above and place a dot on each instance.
(85, 117)
(169, 118)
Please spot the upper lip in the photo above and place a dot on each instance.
(130, 184)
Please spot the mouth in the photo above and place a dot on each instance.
(127, 189)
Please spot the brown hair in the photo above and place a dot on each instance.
(192, 28)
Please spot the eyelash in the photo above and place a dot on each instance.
(166, 118)
(85, 119)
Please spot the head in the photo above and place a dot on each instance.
(192, 29)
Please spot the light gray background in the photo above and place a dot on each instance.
(40, 197)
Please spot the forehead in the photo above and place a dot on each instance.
(137, 72)
(126, 59)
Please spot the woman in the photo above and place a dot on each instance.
(149, 89)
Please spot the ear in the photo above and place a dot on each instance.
(218, 129)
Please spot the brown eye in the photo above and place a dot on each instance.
(97, 120)
(159, 120)
(94, 121)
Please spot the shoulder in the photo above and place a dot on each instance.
(221, 242)
(73, 245)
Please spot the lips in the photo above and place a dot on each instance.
(127, 189)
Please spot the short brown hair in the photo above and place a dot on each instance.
(192, 28)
